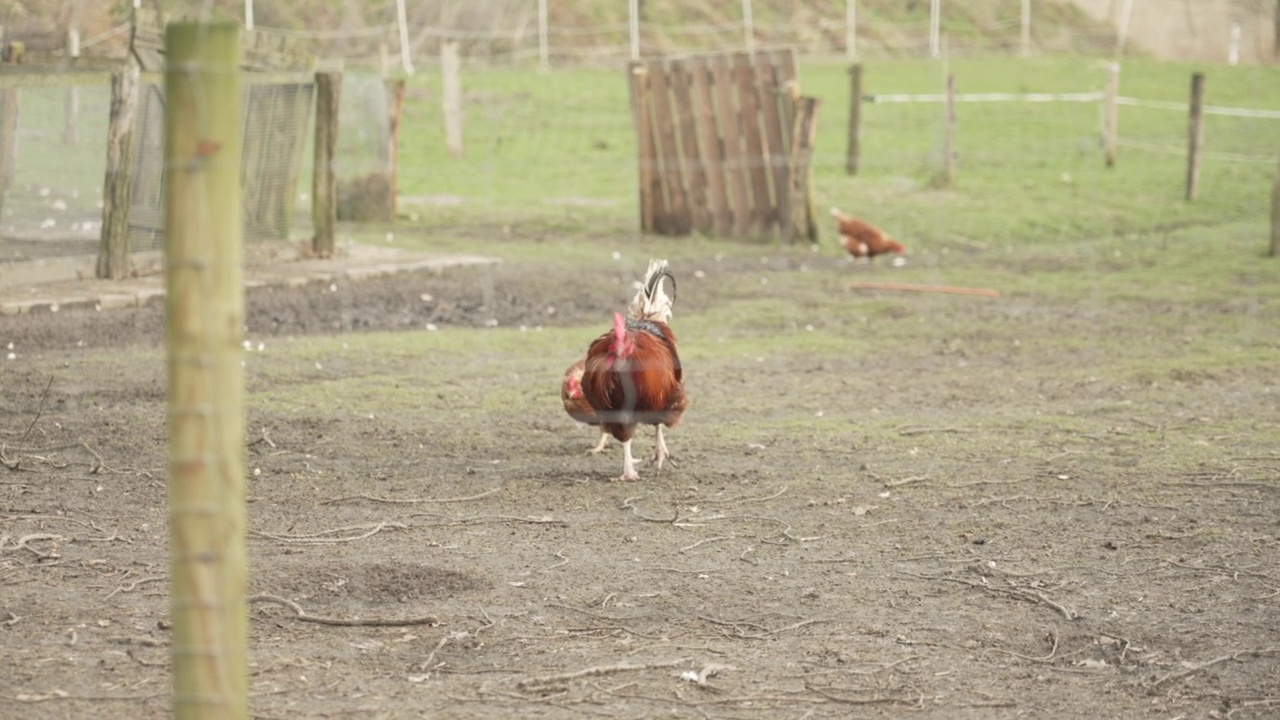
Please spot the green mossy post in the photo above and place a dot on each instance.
(204, 252)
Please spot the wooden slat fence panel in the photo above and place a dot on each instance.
(727, 121)
(714, 139)
(664, 125)
(755, 156)
(695, 169)
(713, 155)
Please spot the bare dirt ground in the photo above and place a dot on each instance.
(959, 528)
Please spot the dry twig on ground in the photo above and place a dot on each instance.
(303, 616)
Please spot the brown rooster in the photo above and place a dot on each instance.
(632, 373)
(577, 406)
(863, 239)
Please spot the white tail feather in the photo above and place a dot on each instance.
(651, 301)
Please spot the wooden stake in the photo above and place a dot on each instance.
(205, 302)
(855, 119)
(113, 245)
(1111, 114)
(1275, 215)
(1195, 135)
(451, 91)
(949, 135)
(324, 181)
(395, 92)
(70, 127)
(802, 223)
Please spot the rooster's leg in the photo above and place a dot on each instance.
(628, 463)
(604, 440)
(660, 453)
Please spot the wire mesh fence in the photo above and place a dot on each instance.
(52, 200)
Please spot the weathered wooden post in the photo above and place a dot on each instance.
(804, 127)
(70, 128)
(650, 186)
(451, 100)
(1111, 114)
(10, 98)
(395, 101)
(1275, 215)
(1195, 135)
(949, 135)
(855, 119)
(324, 181)
(113, 244)
(205, 302)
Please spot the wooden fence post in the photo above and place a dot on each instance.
(70, 128)
(324, 181)
(1111, 114)
(1195, 135)
(113, 244)
(855, 119)
(451, 90)
(204, 250)
(1275, 215)
(650, 186)
(949, 136)
(10, 100)
(802, 223)
(396, 105)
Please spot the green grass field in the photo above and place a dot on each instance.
(1027, 172)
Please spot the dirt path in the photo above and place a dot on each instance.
(932, 524)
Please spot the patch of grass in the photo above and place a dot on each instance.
(556, 152)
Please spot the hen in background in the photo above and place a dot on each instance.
(632, 374)
(862, 239)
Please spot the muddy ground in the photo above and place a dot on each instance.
(948, 524)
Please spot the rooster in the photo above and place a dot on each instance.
(577, 406)
(632, 374)
(863, 239)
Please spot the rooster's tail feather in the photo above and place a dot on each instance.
(652, 301)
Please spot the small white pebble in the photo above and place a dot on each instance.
(699, 274)
(262, 346)
(248, 345)
(257, 472)
(12, 356)
(333, 287)
(617, 255)
(391, 237)
(819, 414)
(425, 297)
(44, 191)
(809, 328)
(764, 281)
(48, 223)
(431, 327)
(58, 204)
(319, 366)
